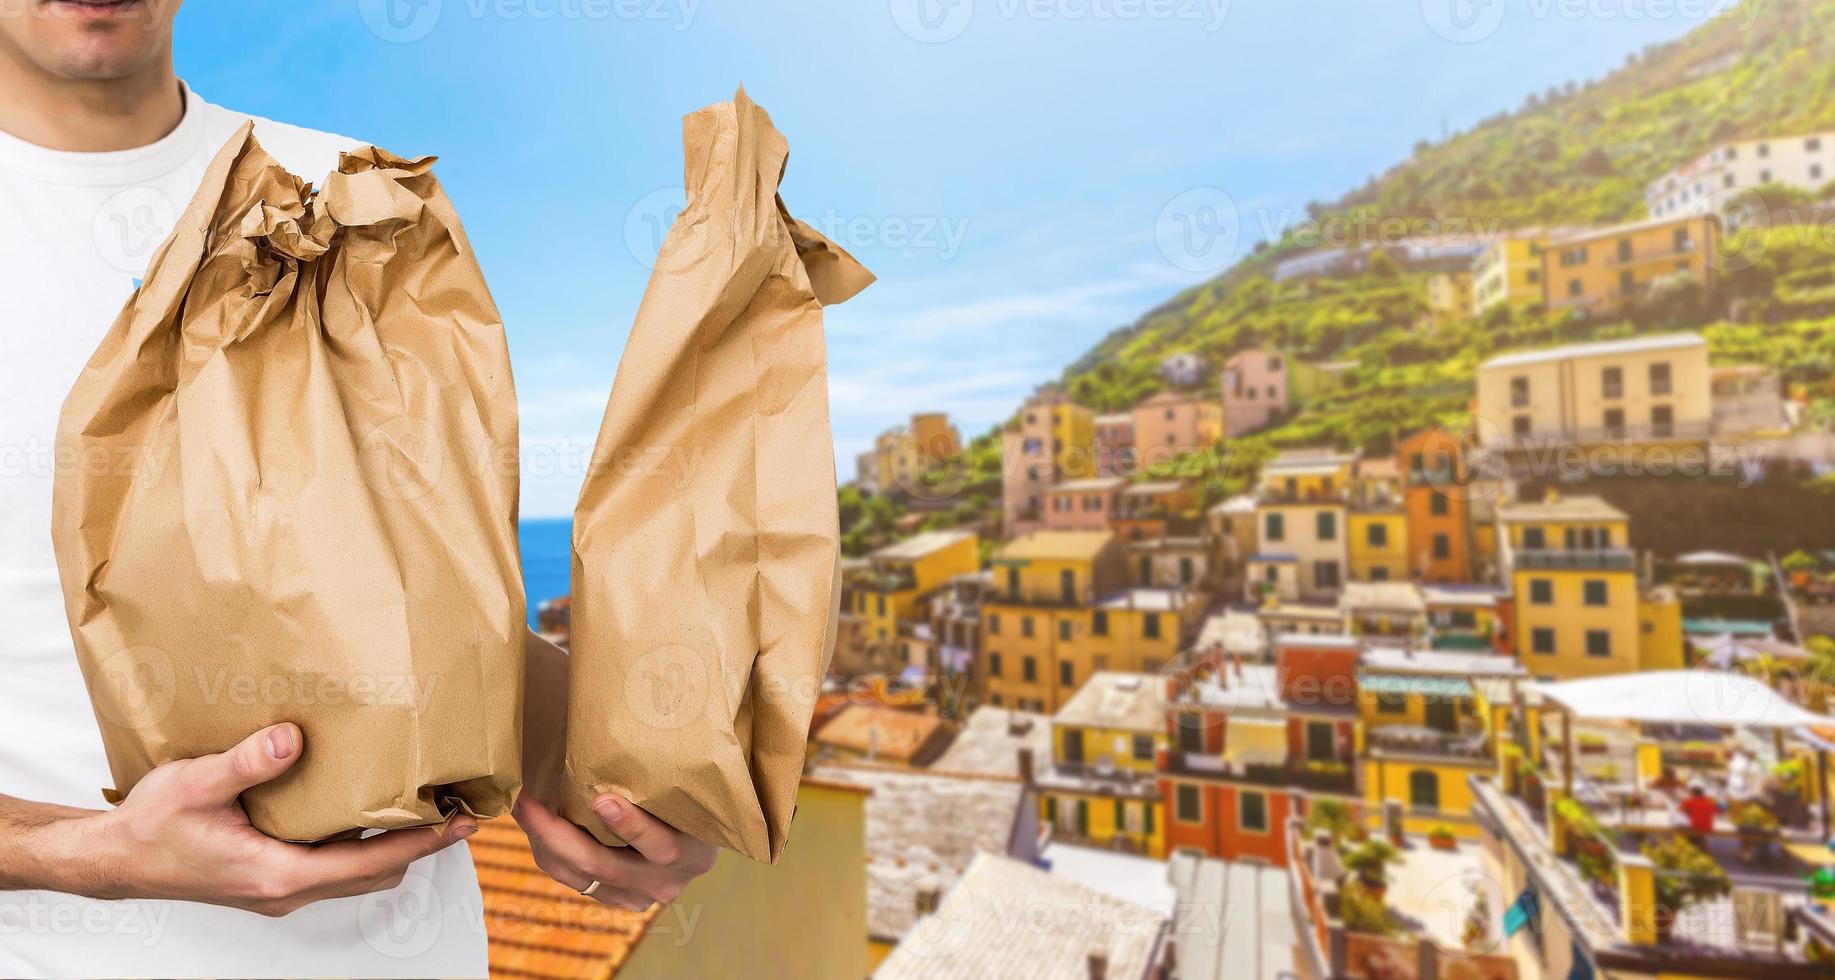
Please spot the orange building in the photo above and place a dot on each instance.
(1169, 424)
(1435, 496)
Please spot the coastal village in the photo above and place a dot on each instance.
(1442, 712)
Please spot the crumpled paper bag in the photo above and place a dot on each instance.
(292, 496)
(705, 543)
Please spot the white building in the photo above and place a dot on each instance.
(1706, 183)
(1182, 370)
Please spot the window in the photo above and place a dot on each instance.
(1150, 626)
(1464, 619)
(1595, 592)
(1599, 643)
(1379, 573)
(1325, 574)
(1321, 742)
(1437, 504)
(1025, 627)
(993, 664)
(1325, 523)
(1376, 534)
(1624, 250)
(1541, 592)
(1519, 426)
(1252, 808)
(1188, 806)
(1662, 421)
(1764, 176)
(1574, 288)
(1013, 582)
(1143, 748)
(1765, 150)
(1443, 547)
(993, 624)
(1627, 283)
(1146, 570)
(1099, 622)
(881, 603)
(1612, 382)
(1051, 810)
(1029, 669)
(1680, 239)
(1615, 423)
(1659, 378)
(1274, 528)
(1815, 171)
(1147, 819)
(1534, 539)
(1812, 144)
(1067, 586)
(1186, 573)
(1542, 640)
(1064, 630)
(1392, 703)
(1424, 789)
(1519, 392)
(1067, 675)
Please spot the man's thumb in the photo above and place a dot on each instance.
(255, 760)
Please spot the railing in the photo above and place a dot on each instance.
(1277, 495)
(1443, 744)
(1339, 777)
(1577, 560)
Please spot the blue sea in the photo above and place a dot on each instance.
(547, 559)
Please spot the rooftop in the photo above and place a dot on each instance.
(1594, 234)
(911, 549)
(883, 732)
(1583, 508)
(1390, 596)
(1234, 631)
(990, 741)
(1153, 488)
(1461, 595)
(1398, 660)
(1604, 348)
(1243, 503)
(1010, 919)
(1091, 485)
(1129, 877)
(539, 928)
(1148, 600)
(1238, 920)
(924, 829)
(1129, 702)
(1302, 462)
(1057, 546)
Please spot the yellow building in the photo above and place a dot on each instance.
(1379, 544)
(1060, 612)
(1429, 721)
(1509, 272)
(902, 573)
(1050, 439)
(1641, 390)
(1102, 788)
(1449, 296)
(1660, 640)
(1301, 512)
(1573, 580)
(1604, 270)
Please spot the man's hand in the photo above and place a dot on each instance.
(657, 865)
(181, 834)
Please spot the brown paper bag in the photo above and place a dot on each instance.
(705, 542)
(291, 496)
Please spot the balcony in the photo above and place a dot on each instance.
(1413, 740)
(1339, 777)
(1600, 560)
(1280, 495)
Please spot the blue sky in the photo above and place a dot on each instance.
(1004, 166)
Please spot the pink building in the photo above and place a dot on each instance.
(1083, 505)
(1115, 444)
(1169, 424)
(1254, 391)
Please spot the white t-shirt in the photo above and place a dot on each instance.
(76, 233)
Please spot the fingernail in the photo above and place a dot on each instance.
(464, 831)
(611, 810)
(280, 741)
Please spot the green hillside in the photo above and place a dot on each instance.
(1579, 155)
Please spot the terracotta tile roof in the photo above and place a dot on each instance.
(887, 732)
(538, 928)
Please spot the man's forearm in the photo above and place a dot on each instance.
(41, 848)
